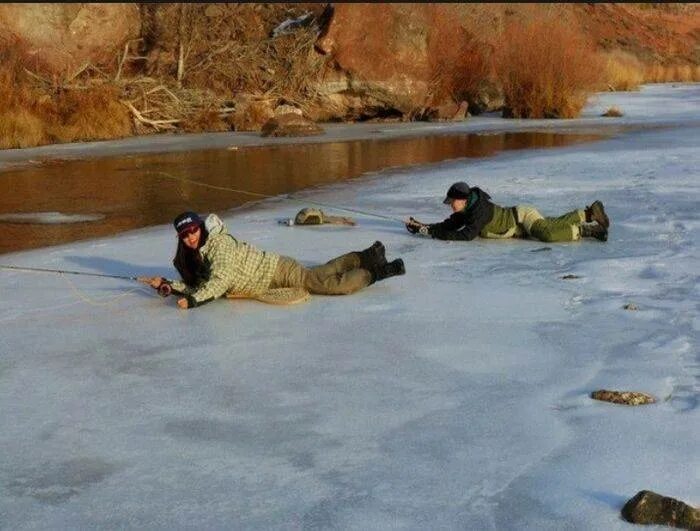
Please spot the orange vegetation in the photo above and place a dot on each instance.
(546, 70)
(215, 66)
(459, 63)
(36, 113)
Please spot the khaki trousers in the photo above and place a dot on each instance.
(340, 276)
(562, 229)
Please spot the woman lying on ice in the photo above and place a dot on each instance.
(475, 215)
(212, 263)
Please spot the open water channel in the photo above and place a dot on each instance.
(56, 201)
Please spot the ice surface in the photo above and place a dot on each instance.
(454, 397)
(49, 218)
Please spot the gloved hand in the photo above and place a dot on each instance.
(414, 226)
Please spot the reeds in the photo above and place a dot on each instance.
(623, 71)
(683, 73)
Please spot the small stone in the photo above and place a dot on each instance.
(629, 398)
(631, 306)
(650, 508)
(290, 124)
(286, 109)
(613, 112)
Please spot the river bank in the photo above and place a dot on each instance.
(639, 110)
(70, 192)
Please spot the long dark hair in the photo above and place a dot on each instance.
(188, 262)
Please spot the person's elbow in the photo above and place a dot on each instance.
(453, 236)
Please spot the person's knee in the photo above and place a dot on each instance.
(546, 236)
(541, 232)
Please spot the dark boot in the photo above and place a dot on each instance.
(372, 256)
(382, 271)
(593, 230)
(596, 212)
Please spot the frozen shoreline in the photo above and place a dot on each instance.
(454, 397)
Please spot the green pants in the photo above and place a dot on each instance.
(561, 229)
(340, 276)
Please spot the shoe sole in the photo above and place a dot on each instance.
(379, 252)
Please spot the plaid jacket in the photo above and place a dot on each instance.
(234, 266)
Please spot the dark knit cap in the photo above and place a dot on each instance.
(458, 190)
(187, 220)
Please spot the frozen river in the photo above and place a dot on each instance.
(454, 397)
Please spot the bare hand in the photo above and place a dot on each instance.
(154, 282)
(182, 303)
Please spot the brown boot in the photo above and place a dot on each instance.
(596, 212)
(594, 230)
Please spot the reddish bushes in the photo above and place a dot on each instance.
(366, 31)
(546, 70)
(459, 64)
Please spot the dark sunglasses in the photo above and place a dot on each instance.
(186, 232)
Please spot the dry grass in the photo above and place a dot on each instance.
(623, 71)
(613, 112)
(38, 111)
(672, 73)
(226, 49)
(88, 114)
(20, 128)
(546, 70)
(195, 57)
(207, 120)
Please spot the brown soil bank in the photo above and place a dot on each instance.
(78, 72)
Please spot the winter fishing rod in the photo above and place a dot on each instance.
(65, 272)
(267, 196)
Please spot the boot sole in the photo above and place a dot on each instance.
(598, 214)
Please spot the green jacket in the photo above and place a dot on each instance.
(502, 225)
(480, 217)
(233, 266)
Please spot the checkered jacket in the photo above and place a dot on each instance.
(234, 266)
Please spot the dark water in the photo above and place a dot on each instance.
(122, 193)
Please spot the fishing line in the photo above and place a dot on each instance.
(93, 302)
(77, 291)
(267, 196)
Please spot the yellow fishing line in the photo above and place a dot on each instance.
(102, 302)
(267, 196)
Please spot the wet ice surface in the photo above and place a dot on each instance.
(48, 218)
(454, 397)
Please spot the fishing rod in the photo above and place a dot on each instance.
(267, 196)
(65, 272)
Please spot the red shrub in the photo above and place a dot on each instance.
(546, 69)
